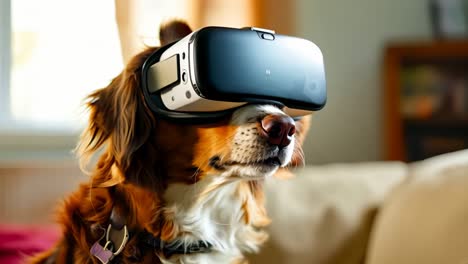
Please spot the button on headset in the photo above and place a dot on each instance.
(184, 76)
(268, 36)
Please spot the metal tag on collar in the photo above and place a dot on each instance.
(117, 237)
(102, 253)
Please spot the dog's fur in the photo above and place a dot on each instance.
(179, 182)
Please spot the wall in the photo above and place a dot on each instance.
(352, 35)
(30, 194)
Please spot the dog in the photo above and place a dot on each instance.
(162, 192)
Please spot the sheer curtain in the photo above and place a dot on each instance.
(61, 51)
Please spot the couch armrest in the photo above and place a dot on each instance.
(325, 213)
(425, 220)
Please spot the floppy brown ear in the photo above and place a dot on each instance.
(173, 31)
(121, 122)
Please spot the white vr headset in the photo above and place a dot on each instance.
(205, 75)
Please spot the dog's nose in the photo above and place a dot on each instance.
(278, 129)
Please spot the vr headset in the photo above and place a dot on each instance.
(205, 75)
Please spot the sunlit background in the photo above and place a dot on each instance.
(397, 78)
(61, 51)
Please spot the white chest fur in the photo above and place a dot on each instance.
(213, 210)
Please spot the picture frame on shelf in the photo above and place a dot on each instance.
(449, 18)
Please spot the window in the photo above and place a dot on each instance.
(60, 51)
(55, 52)
(52, 54)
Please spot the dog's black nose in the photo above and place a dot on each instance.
(278, 129)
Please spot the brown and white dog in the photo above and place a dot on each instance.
(184, 193)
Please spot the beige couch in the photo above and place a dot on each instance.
(372, 213)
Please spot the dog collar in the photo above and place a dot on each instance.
(175, 247)
(117, 236)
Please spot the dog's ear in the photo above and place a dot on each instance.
(173, 31)
(121, 122)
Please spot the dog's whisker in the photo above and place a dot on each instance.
(220, 224)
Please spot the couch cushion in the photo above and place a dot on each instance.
(324, 214)
(425, 220)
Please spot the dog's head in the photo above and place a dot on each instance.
(138, 147)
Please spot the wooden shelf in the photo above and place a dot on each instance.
(448, 57)
(438, 122)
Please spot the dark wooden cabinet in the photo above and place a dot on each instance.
(425, 99)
